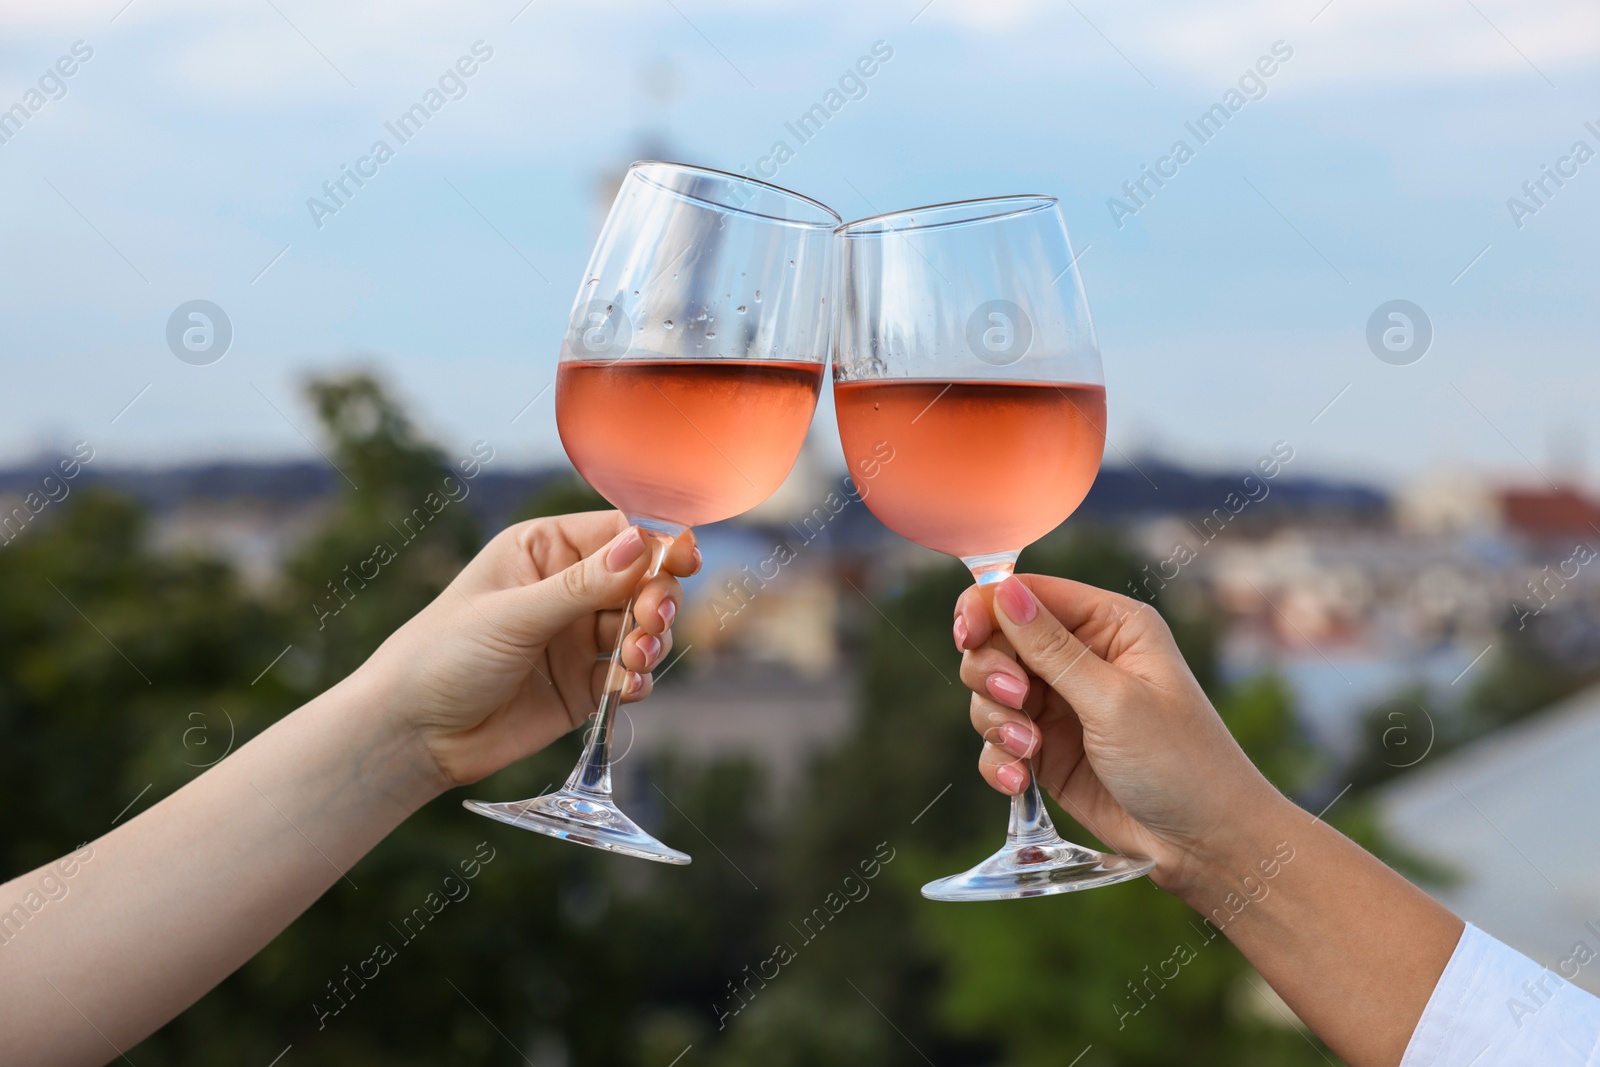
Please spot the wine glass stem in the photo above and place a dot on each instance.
(1030, 822)
(593, 772)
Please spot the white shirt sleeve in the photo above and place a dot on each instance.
(1494, 1007)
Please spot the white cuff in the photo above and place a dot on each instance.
(1494, 1007)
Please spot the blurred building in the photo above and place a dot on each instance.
(763, 713)
(1555, 514)
(1516, 818)
(1352, 604)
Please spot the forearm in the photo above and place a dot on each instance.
(190, 889)
(1352, 947)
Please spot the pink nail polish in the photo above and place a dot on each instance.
(633, 683)
(699, 561)
(650, 648)
(1016, 739)
(1011, 778)
(960, 631)
(669, 611)
(1007, 690)
(625, 551)
(1015, 600)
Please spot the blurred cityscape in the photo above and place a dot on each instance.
(1412, 664)
(1349, 591)
(1378, 609)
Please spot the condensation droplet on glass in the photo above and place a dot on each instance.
(742, 309)
(636, 292)
(791, 263)
(710, 334)
(758, 296)
(667, 324)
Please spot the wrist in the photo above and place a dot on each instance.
(390, 755)
(1235, 864)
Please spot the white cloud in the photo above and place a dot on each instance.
(1416, 42)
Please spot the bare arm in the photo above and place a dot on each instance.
(119, 937)
(1124, 738)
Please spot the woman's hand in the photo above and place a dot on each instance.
(513, 653)
(1121, 734)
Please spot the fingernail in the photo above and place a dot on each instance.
(650, 648)
(699, 561)
(634, 682)
(960, 632)
(1016, 739)
(669, 611)
(1007, 690)
(1015, 600)
(625, 551)
(1011, 779)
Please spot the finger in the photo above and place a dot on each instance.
(1050, 746)
(992, 672)
(1052, 651)
(1005, 728)
(636, 685)
(973, 624)
(1079, 607)
(683, 558)
(657, 603)
(607, 625)
(534, 613)
(585, 531)
(1002, 770)
(645, 652)
(639, 686)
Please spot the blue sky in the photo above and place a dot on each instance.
(1231, 308)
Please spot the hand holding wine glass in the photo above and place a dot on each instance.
(504, 661)
(688, 378)
(1118, 729)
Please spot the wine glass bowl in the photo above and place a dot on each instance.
(964, 343)
(701, 331)
(719, 435)
(691, 367)
(953, 438)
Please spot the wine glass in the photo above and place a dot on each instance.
(690, 371)
(965, 352)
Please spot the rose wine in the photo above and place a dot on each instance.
(977, 467)
(689, 441)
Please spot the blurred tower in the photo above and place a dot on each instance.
(656, 87)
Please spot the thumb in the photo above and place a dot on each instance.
(1051, 651)
(604, 579)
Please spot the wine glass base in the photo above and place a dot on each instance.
(584, 818)
(1035, 869)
